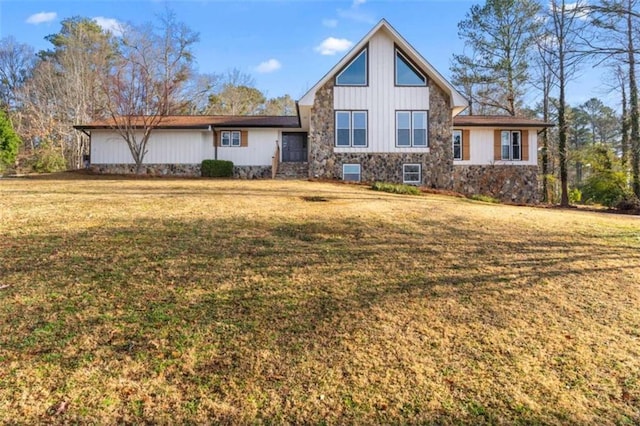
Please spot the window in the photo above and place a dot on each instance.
(354, 74)
(511, 145)
(230, 138)
(411, 173)
(406, 73)
(351, 129)
(411, 129)
(351, 172)
(457, 144)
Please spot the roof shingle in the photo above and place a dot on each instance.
(203, 122)
(497, 121)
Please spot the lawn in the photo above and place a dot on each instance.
(197, 301)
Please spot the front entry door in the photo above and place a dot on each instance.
(294, 147)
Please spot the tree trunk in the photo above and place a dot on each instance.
(625, 127)
(635, 114)
(562, 134)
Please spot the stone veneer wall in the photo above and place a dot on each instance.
(437, 165)
(148, 169)
(516, 184)
(192, 170)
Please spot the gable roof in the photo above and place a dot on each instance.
(203, 122)
(497, 121)
(458, 102)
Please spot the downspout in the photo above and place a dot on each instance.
(215, 145)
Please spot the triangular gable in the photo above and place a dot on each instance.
(458, 102)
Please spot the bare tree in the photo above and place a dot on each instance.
(64, 87)
(565, 23)
(146, 82)
(17, 61)
(545, 81)
(619, 21)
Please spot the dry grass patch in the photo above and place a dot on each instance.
(176, 301)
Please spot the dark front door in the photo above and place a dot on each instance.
(294, 147)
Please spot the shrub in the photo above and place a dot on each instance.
(575, 196)
(48, 160)
(629, 203)
(217, 168)
(395, 188)
(9, 142)
(485, 198)
(607, 188)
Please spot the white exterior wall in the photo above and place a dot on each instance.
(184, 147)
(481, 145)
(164, 147)
(381, 98)
(260, 149)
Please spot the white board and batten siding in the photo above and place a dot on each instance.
(260, 149)
(481, 145)
(381, 99)
(184, 147)
(164, 147)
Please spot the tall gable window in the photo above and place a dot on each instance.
(354, 74)
(406, 73)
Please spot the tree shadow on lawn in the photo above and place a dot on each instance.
(258, 304)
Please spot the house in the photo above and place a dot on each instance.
(381, 113)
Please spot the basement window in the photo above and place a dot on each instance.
(411, 174)
(351, 172)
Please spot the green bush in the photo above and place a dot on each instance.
(395, 188)
(217, 168)
(607, 188)
(485, 198)
(48, 160)
(575, 196)
(9, 142)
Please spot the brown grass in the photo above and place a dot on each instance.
(195, 301)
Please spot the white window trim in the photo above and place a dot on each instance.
(511, 132)
(359, 171)
(366, 69)
(404, 173)
(230, 134)
(395, 63)
(352, 129)
(455, 132)
(411, 129)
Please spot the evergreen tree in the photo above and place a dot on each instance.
(500, 34)
(9, 142)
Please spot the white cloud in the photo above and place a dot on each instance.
(357, 3)
(357, 15)
(330, 23)
(332, 45)
(41, 18)
(110, 24)
(269, 66)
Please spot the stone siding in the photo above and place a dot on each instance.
(148, 169)
(191, 170)
(252, 172)
(515, 184)
(437, 165)
(321, 134)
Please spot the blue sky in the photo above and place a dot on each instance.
(287, 45)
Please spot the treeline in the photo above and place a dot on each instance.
(516, 48)
(89, 74)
